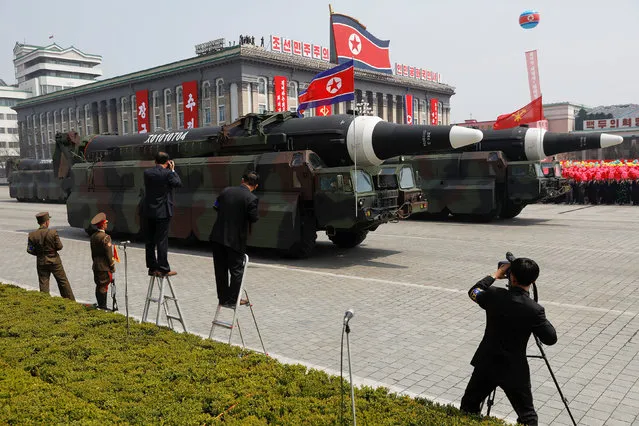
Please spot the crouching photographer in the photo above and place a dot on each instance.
(511, 316)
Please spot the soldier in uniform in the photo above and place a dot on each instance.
(103, 262)
(44, 243)
(511, 317)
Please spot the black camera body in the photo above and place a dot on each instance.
(509, 259)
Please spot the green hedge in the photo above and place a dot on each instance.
(64, 363)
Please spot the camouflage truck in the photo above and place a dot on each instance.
(316, 174)
(500, 175)
(33, 180)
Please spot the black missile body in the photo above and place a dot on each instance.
(340, 140)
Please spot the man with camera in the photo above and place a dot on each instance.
(157, 210)
(511, 316)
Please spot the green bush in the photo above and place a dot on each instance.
(64, 363)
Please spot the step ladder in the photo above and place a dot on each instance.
(230, 325)
(163, 299)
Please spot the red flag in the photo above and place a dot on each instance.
(329, 87)
(408, 109)
(116, 256)
(142, 105)
(323, 111)
(529, 114)
(280, 91)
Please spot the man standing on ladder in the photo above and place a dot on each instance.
(159, 182)
(236, 210)
(511, 317)
(103, 262)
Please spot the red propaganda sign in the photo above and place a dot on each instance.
(533, 74)
(326, 55)
(297, 48)
(307, 50)
(286, 46)
(324, 110)
(434, 111)
(317, 52)
(191, 108)
(142, 105)
(408, 108)
(281, 94)
(276, 43)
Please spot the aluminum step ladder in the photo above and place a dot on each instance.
(163, 299)
(230, 325)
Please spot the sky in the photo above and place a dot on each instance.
(586, 48)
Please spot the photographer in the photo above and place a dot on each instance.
(500, 360)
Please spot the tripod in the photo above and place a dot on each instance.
(346, 329)
(491, 397)
(124, 244)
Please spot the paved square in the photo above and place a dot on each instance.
(414, 328)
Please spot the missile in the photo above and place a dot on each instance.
(528, 144)
(339, 140)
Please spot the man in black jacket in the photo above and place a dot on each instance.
(159, 182)
(236, 210)
(500, 360)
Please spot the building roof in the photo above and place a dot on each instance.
(617, 111)
(53, 47)
(244, 52)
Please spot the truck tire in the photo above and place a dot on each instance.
(348, 239)
(510, 210)
(304, 247)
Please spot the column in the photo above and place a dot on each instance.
(390, 111)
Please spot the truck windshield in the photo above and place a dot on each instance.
(363, 181)
(406, 179)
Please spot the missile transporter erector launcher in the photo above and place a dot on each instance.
(34, 180)
(308, 178)
(500, 175)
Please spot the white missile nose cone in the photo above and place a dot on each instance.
(462, 136)
(607, 140)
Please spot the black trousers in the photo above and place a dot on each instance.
(157, 236)
(519, 393)
(227, 261)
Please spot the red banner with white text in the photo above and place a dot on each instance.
(280, 84)
(434, 111)
(142, 107)
(190, 104)
(408, 109)
(324, 110)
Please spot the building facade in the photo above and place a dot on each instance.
(9, 140)
(232, 82)
(47, 69)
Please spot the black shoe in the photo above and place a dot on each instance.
(153, 273)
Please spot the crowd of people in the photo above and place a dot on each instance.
(602, 182)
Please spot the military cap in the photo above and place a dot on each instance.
(43, 217)
(98, 218)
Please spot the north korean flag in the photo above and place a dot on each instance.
(329, 87)
(352, 41)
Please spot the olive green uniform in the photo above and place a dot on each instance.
(103, 264)
(44, 243)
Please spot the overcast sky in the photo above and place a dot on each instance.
(587, 48)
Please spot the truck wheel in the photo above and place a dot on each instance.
(304, 247)
(348, 239)
(510, 210)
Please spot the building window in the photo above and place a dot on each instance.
(220, 98)
(42, 128)
(87, 120)
(124, 110)
(71, 119)
(134, 115)
(168, 125)
(63, 118)
(156, 110)
(206, 103)
(36, 131)
(56, 122)
(440, 113)
(78, 122)
(49, 129)
(179, 101)
(262, 95)
(292, 96)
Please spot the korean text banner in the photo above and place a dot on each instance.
(281, 93)
(191, 108)
(142, 107)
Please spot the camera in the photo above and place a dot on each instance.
(509, 259)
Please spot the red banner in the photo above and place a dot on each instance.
(323, 111)
(189, 100)
(533, 74)
(408, 109)
(142, 106)
(434, 111)
(280, 85)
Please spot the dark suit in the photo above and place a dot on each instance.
(236, 209)
(103, 264)
(44, 243)
(500, 360)
(157, 210)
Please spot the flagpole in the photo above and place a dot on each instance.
(354, 135)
